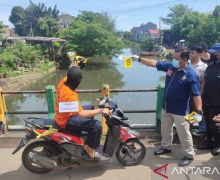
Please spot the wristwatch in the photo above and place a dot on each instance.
(200, 112)
(139, 59)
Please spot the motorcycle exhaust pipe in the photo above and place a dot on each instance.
(44, 161)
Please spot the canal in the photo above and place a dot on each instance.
(98, 71)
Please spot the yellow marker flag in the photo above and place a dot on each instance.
(128, 63)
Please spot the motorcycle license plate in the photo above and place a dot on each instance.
(23, 142)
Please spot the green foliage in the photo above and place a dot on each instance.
(176, 12)
(4, 70)
(66, 19)
(193, 26)
(103, 19)
(8, 58)
(92, 34)
(46, 26)
(18, 55)
(127, 35)
(1, 26)
(36, 19)
(57, 44)
(17, 19)
(148, 44)
(46, 66)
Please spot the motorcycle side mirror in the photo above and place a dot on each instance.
(102, 102)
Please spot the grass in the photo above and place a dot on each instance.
(46, 66)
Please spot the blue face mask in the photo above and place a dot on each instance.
(175, 63)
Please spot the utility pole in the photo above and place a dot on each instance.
(63, 24)
(161, 34)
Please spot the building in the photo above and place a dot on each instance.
(6, 31)
(154, 34)
(139, 33)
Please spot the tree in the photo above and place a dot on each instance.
(216, 12)
(65, 20)
(91, 37)
(47, 26)
(148, 44)
(103, 19)
(206, 31)
(176, 12)
(193, 26)
(1, 29)
(17, 18)
(126, 35)
(216, 15)
(182, 27)
(27, 21)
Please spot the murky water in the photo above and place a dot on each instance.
(97, 72)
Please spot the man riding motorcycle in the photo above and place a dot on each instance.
(72, 116)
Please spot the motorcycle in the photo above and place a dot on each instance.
(50, 147)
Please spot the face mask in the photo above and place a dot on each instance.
(175, 63)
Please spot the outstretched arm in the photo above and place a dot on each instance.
(148, 62)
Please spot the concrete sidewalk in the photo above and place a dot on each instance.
(12, 168)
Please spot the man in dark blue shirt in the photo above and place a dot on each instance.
(181, 83)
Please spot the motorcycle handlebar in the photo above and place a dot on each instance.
(106, 102)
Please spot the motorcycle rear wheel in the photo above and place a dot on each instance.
(131, 152)
(45, 149)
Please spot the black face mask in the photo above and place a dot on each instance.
(74, 77)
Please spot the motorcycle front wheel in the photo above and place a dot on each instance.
(131, 152)
(37, 147)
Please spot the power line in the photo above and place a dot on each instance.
(152, 6)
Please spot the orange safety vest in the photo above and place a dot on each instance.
(65, 94)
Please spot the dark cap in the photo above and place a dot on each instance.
(215, 48)
(185, 55)
(203, 46)
(198, 48)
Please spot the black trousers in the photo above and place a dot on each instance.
(213, 131)
(92, 126)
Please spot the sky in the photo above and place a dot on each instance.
(127, 13)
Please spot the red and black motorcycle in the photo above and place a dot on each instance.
(49, 147)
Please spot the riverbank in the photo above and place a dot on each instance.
(19, 82)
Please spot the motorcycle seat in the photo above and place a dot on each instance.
(76, 133)
(45, 123)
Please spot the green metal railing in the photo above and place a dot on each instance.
(50, 98)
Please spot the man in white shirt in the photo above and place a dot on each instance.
(199, 67)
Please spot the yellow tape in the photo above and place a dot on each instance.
(190, 117)
(50, 131)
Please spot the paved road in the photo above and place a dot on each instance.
(12, 169)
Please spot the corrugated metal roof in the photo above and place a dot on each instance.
(36, 38)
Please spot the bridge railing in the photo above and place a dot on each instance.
(50, 97)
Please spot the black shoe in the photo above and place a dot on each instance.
(215, 151)
(204, 146)
(185, 161)
(162, 151)
(198, 132)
